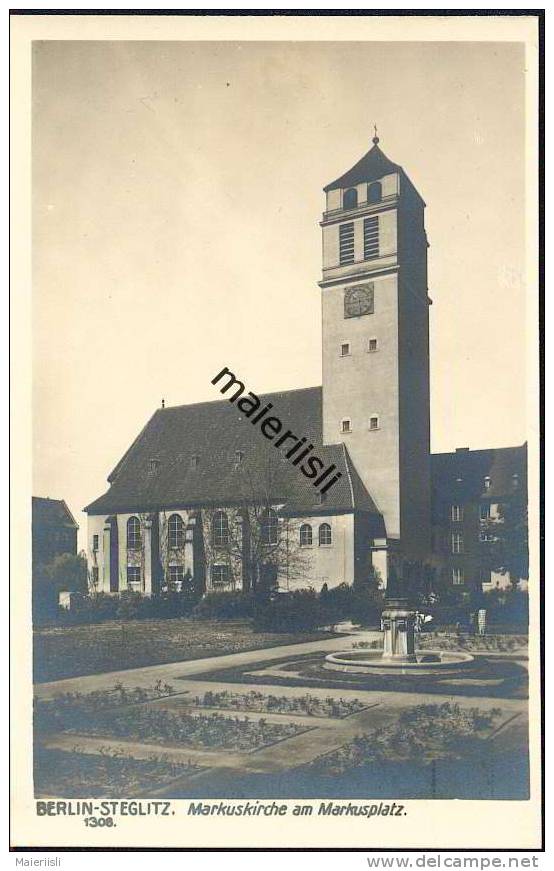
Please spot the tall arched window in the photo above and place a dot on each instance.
(325, 536)
(220, 529)
(305, 535)
(374, 192)
(175, 531)
(133, 533)
(270, 527)
(350, 199)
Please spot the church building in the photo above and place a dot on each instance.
(203, 494)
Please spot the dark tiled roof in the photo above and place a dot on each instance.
(214, 432)
(472, 467)
(52, 512)
(372, 166)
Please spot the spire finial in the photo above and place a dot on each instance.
(163, 403)
(375, 138)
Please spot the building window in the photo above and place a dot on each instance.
(153, 464)
(457, 543)
(270, 527)
(133, 534)
(134, 581)
(175, 578)
(194, 461)
(175, 531)
(220, 529)
(485, 576)
(485, 511)
(346, 425)
(95, 541)
(457, 576)
(374, 422)
(350, 199)
(305, 535)
(94, 576)
(374, 192)
(487, 482)
(456, 513)
(220, 576)
(346, 243)
(239, 457)
(345, 349)
(325, 536)
(371, 238)
(372, 345)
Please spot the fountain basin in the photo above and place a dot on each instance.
(420, 662)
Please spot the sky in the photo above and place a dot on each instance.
(177, 190)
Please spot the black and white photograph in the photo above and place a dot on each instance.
(283, 520)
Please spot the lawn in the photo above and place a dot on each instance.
(112, 646)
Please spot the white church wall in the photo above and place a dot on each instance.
(331, 564)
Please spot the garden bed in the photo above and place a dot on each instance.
(105, 775)
(253, 701)
(118, 713)
(71, 651)
(421, 733)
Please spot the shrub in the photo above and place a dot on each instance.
(336, 603)
(233, 605)
(67, 571)
(289, 612)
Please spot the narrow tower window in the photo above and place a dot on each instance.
(374, 192)
(371, 238)
(345, 349)
(374, 422)
(372, 345)
(346, 425)
(346, 243)
(350, 200)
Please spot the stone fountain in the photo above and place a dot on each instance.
(399, 654)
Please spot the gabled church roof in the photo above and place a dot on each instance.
(373, 165)
(157, 470)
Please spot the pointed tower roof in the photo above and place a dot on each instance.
(372, 166)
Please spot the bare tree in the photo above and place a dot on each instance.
(253, 537)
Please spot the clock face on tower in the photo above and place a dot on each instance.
(358, 301)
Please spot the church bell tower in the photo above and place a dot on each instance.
(375, 315)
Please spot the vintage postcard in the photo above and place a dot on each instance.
(276, 578)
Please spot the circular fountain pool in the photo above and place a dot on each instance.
(373, 662)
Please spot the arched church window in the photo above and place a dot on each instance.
(305, 535)
(270, 527)
(133, 534)
(350, 199)
(175, 531)
(220, 529)
(374, 192)
(325, 536)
